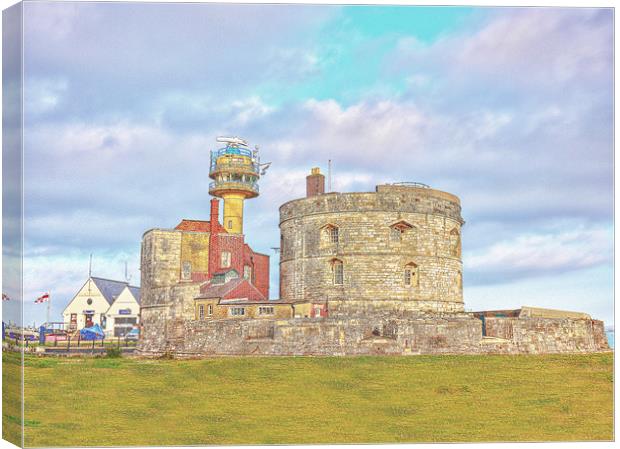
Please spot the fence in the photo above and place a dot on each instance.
(74, 345)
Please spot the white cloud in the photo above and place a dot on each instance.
(43, 95)
(531, 255)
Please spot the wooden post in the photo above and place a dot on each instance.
(79, 339)
(68, 343)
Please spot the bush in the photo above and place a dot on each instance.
(113, 352)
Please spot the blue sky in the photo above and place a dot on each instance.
(508, 108)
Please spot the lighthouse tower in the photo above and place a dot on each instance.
(235, 170)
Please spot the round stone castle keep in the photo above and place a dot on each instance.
(396, 248)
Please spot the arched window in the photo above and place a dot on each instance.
(455, 243)
(459, 279)
(337, 272)
(330, 234)
(411, 275)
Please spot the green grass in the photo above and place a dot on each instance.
(11, 398)
(291, 400)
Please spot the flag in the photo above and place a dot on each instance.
(42, 298)
(5, 297)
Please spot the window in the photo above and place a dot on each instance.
(337, 272)
(330, 234)
(411, 274)
(229, 224)
(247, 272)
(396, 234)
(333, 234)
(201, 312)
(265, 310)
(89, 301)
(455, 243)
(125, 320)
(210, 309)
(398, 230)
(225, 259)
(186, 272)
(237, 311)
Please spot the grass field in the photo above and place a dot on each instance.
(107, 401)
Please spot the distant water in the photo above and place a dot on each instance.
(610, 338)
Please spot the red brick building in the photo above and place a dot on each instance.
(225, 252)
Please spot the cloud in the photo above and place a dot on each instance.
(532, 255)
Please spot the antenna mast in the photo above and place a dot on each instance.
(90, 271)
(329, 175)
(127, 276)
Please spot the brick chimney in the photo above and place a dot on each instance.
(315, 183)
(215, 211)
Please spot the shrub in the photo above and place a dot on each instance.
(113, 352)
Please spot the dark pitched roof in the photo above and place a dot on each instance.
(219, 290)
(135, 291)
(111, 289)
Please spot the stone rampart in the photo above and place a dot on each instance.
(421, 334)
(532, 335)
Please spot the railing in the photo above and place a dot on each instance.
(250, 168)
(231, 150)
(411, 184)
(241, 185)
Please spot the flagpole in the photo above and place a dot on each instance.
(49, 304)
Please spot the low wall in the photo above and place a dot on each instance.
(423, 334)
(547, 335)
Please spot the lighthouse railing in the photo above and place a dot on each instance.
(232, 185)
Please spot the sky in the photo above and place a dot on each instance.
(511, 109)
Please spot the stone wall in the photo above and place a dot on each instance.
(373, 259)
(406, 334)
(547, 335)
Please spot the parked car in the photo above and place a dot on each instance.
(133, 335)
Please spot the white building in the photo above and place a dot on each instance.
(114, 305)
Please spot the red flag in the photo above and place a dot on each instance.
(42, 298)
